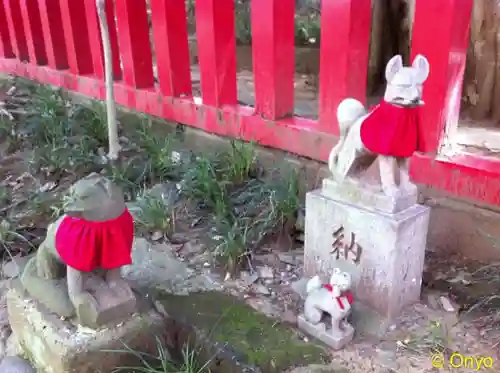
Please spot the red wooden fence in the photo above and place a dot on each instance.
(58, 42)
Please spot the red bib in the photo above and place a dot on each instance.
(87, 245)
(346, 294)
(392, 130)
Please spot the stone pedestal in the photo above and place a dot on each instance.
(57, 346)
(322, 333)
(381, 241)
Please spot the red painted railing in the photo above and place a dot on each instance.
(58, 42)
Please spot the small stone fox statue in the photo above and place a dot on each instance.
(77, 267)
(391, 131)
(333, 298)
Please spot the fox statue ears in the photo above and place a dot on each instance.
(420, 66)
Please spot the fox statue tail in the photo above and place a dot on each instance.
(348, 112)
(313, 284)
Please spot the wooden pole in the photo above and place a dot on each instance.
(114, 145)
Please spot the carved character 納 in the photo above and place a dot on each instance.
(342, 250)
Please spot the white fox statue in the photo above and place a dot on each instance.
(333, 298)
(390, 131)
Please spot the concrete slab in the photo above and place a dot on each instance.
(57, 346)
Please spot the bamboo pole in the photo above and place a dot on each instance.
(114, 144)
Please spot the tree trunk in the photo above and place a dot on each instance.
(482, 61)
(390, 35)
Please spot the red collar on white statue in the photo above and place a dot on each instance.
(345, 294)
(392, 130)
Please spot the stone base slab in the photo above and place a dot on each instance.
(369, 196)
(320, 332)
(57, 346)
(110, 304)
(384, 253)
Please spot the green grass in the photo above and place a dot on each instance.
(94, 117)
(129, 175)
(162, 362)
(239, 162)
(232, 244)
(9, 132)
(203, 184)
(154, 213)
(4, 195)
(10, 237)
(67, 140)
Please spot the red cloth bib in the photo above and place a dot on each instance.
(346, 294)
(392, 130)
(87, 245)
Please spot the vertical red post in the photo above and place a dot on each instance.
(96, 41)
(345, 40)
(77, 37)
(16, 29)
(171, 47)
(215, 31)
(135, 45)
(52, 27)
(441, 34)
(6, 49)
(273, 36)
(33, 31)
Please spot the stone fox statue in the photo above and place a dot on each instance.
(391, 130)
(77, 267)
(333, 298)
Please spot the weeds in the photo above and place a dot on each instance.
(271, 205)
(44, 204)
(156, 213)
(67, 140)
(435, 341)
(9, 237)
(232, 243)
(9, 132)
(4, 195)
(486, 311)
(49, 159)
(55, 158)
(128, 175)
(239, 161)
(284, 200)
(95, 122)
(307, 29)
(202, 184)
(161, 162)
(49, 123)
(163, 362)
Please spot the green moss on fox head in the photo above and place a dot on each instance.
(263, 342)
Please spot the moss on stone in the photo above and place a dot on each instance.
(263, 342)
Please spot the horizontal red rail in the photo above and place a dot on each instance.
(295, 135)
(467, 176)
(69, 38)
